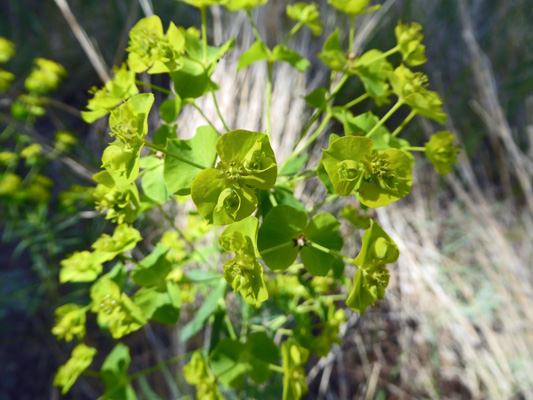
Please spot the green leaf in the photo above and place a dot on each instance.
(192, 80)
(114, 371)
(262, 351)
(317, 98)
(208, 307)
(153, 268)
(164, 133)
(153, 182)
(275, 240)
(178, 174)
(374, 75)
(284, 195)
(323, 229)
(294, 166)
(160, 303)
(283, 53)
(377, 248)
(307, 14)
(226, 363)
(258, 51)
(170, 109)
(332, 54)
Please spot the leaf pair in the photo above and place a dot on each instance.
(286, 231)
(231, 360)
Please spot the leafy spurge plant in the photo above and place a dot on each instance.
(233, 180)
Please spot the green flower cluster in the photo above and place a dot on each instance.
(294, 357)
(372, 277)
(198, 373)
(442, 152)
(7, 51)
(379, 178)
(114, 309)
(244, 273)
(306, 14)
(114, 92)
(45, 76)
(154, 51)
(85, 266)
(69, 322)
(80, 359)
(226, 194)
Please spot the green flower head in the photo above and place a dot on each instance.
(244, 273)
(67, 374)
(120, 204)
(353, 7)
(306, 14)
(9, 184)
(150, 49)
(7, 50)
(7, 157)
(114, 92)
(411, 88)
(27, 105)
(198, 373)
(379, 178)
(409, 39)
(64, 141)
(442, 152)
(115, 310)
(235, 5)
(31, 152)
(81, 266)
(6, 78)
(204, 3)
(226, 194)
(372, 278)
(70, 322)
(124, 238)
(129, 124)
(45, 76)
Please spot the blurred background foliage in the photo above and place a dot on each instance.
(458, 322)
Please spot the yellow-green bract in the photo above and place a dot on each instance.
(226, 194)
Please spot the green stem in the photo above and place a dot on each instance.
(254, 26)
(272, 199)
(204, 32)
(328, 251)
(356, 101)
(385, 118)
(416, 148)
(311, 139)
(276, 248)
(293, 31)
(269, 99)
(338, 87)
(327, 200)
(154, 87)
(218, 112)
(405, 122)
(124, 257)
(383, 55)
(204, 116)
(168, 153)
(352, 34)
(229, 326)
(275, 368)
